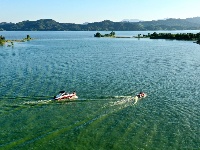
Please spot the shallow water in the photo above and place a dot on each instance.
(106, 73)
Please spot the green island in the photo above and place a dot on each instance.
(178, 36)
(170, 36)
(111, 35)
(11, 42)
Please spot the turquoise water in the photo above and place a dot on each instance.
(105, 73)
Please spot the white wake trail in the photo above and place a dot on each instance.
(126, 100)
(37, 102)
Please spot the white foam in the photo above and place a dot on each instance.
(37, 102)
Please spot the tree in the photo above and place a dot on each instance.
(28, 37)
(97, 34)
(198, 42)
(2, 40)
(112, 33)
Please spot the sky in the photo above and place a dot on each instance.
(81, 11)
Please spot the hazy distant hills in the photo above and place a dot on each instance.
(131, 20)
(106, 25)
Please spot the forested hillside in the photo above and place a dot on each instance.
(106, 25)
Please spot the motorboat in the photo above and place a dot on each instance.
(63, 95)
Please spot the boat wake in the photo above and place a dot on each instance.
(122, 96)
(126, 100)
(123, 101)
(37, 102)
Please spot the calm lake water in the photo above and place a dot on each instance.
(105, 73)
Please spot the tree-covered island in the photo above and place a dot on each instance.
(112, 34)
(11, 42)
(178, 36)
(170, 36)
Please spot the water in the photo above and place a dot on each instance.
(106, 73)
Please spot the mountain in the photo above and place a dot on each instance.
(194, 20)
(106, 25)
(131, 20)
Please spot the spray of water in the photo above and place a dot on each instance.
(37, 102)
(126, 100)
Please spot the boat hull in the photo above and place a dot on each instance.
(64, 97)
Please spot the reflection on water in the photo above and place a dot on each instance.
(106, 74)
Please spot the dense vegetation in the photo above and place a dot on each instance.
(178, 36)
(2, 40)
(11, 42)
(106, 25)
(112, 34)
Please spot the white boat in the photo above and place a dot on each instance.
(63, 95)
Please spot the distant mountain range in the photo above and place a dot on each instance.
(106, 25)
(131, 20)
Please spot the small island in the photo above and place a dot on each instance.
(170, 36)
(112, 34)
(3, 40)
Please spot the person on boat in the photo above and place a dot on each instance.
(74, 93)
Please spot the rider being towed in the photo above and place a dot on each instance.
(140, 95)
